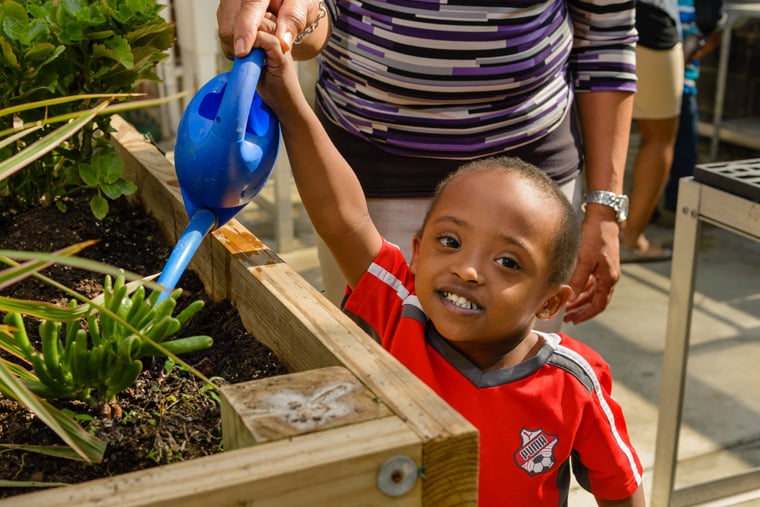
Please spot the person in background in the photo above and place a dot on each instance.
(656, 108)
(701, 23)
(407, 92)
(461, 313)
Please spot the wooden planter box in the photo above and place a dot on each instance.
(349, 426)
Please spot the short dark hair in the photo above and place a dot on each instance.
(567, 238)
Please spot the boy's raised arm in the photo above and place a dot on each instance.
(329, 190)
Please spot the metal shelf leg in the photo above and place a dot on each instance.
(675, 356)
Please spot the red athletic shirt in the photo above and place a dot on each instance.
(532, 417)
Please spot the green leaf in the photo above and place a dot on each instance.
(123, 187)
(42, 310)
(62, 100)
(30, 484)
(46, 144)
(108, 166)
(57, 451)
(99, 206)
(18, 272)
(116, 49)
(8, 56)
(89, 175)
(75, 262)
(13, 10)
(41, 51)
(89, 447)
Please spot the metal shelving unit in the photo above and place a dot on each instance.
(741, 131)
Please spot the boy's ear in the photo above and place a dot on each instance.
(415, 253)
(554, 303)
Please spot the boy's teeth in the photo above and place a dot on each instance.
(459, 301)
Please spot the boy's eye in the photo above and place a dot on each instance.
(508, 262)
(448, 241)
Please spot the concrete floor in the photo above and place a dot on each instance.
(721, 418)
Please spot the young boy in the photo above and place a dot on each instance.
(494, 254)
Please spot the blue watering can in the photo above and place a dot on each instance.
(226, 148)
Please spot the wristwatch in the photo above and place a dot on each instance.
(619, 203)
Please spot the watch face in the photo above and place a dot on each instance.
(622, 207)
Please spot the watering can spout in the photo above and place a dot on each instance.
(225, 151)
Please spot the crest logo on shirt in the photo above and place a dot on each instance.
(536, 455)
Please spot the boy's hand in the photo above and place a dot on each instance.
(278, 85)
(240, 20)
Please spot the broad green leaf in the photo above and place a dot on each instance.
(118, 188)
(99, 206)
(108, 166)
(89, 175)
(40, 51)
(104, 34)
(13, 10)
(116, 49)
(37, 31)
(8, 56)
(17, 29)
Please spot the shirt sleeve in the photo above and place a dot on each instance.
(375, 303)
(603, 56)
(604, 460)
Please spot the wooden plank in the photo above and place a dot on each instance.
(158, 189)
(273, 408)
(306, 331)
(333, 468)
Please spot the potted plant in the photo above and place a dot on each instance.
(52, 55)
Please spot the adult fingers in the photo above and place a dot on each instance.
(238, 22)
(589, 303)
(293, 16)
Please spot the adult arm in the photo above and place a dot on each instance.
(710, 18)
(605, 122)
(239, 21)
(603, 66)
(710, 15)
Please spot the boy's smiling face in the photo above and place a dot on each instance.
(482, 262)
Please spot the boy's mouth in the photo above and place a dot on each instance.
(460, 301)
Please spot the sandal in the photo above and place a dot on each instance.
(654, 253)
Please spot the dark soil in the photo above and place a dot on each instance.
(165, 417)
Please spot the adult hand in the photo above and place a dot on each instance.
(598, 269)
(239, 20)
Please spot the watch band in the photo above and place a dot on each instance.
(618, 202)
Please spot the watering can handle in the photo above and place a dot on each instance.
(231, 121)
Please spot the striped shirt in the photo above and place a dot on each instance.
(460, 80)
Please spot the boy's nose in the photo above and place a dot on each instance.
(468, 270)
